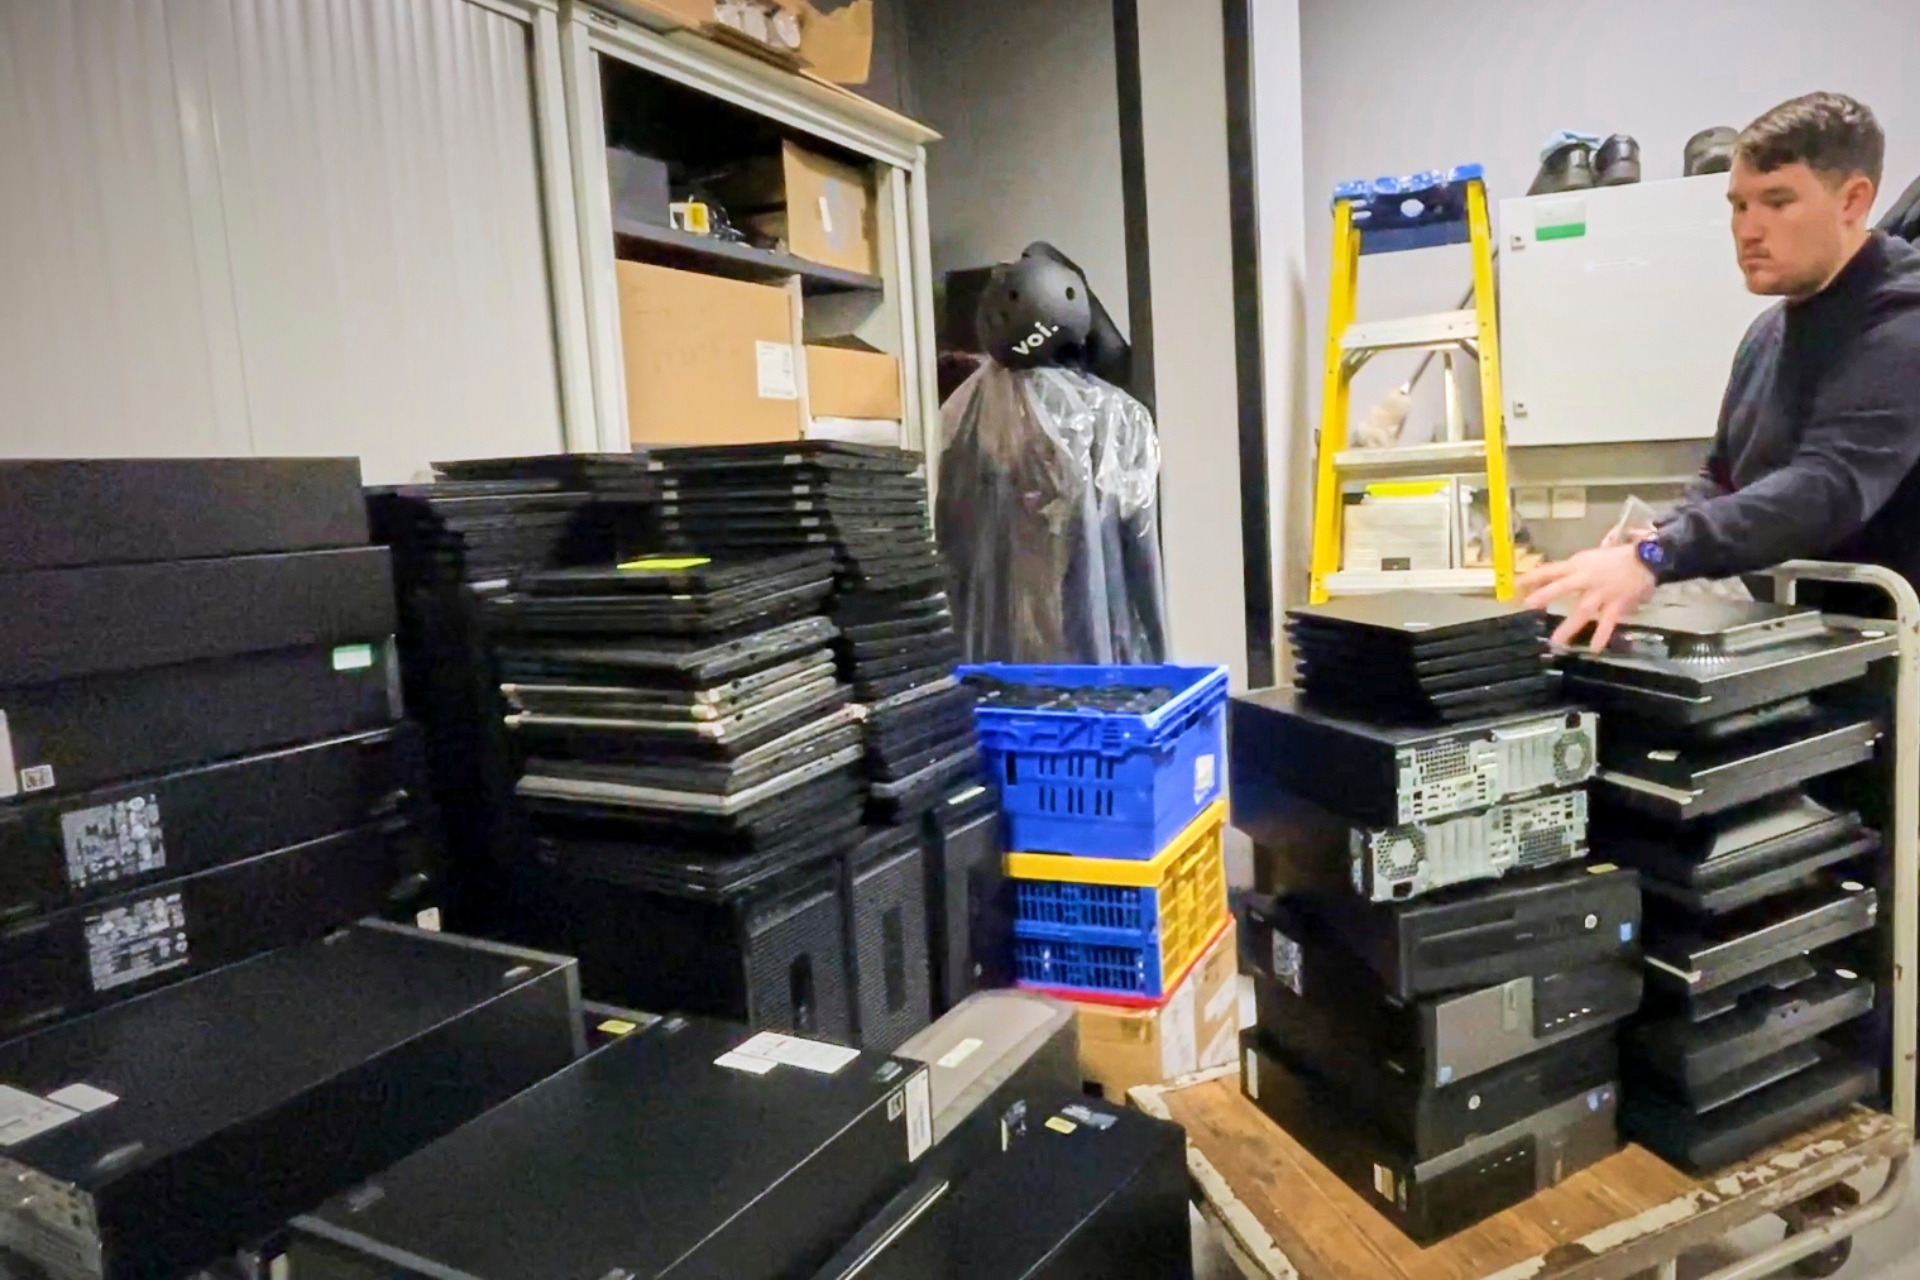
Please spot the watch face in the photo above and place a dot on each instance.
(1652, 553)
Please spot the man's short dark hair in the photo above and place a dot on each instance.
(1832, 134)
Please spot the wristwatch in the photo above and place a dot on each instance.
(1656, 555)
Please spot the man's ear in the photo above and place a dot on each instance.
(1856, 198)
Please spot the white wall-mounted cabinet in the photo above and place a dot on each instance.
(618, 67)
(285, 227)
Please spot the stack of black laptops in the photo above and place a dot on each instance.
(1724, 780)
(897, 647)
(1420, 657)
(456, 543)
(1438, 972)
(693, 772)
(200, 749)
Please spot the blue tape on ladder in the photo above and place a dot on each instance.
(1412, 211)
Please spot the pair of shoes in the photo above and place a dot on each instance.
(1575, 164)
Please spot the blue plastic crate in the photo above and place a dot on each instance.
(1104, 784)
(1118, 968)
(1094, 906)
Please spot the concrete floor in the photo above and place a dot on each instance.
(1888, 1250)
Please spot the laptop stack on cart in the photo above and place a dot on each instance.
(1723, 781)
(1439, 971)
(693, 770)
(897, 647)
(200, 756)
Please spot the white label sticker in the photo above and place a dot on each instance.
(23, 1115)
(127, 944)
(1179, 1035)
(808, 1055)
(774, 363)
(112, 842)
(1100, 1120)
(743, 1062)
(36, 777)
(919, 1115)
(1567, 502)
(428, 920)
(1533, 502)
(826, 214)
(1383, 1182)
(960, 1052)
(1250, 1077)
(1287, 961)
(83, 1097)
(9, 780)
(897, 1105)
(1203, 774)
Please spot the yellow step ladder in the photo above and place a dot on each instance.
(1391, 215)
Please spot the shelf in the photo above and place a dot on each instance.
(670, 247)
(1441, 458)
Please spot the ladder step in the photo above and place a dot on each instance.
(1445, 329)
(1442, 458)
(1359, 582)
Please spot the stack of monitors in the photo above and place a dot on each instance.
(1734, 750)
(201, 756)
(1439, 974)
(1413, 657)
(691, 755)
(455, 543)
(897, 647)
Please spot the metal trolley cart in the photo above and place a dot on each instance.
(1279, 1213)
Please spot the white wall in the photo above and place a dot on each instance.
(1392, 86)
(272, 226)
(1183, 98)
(1026, 99)
(1279, 181)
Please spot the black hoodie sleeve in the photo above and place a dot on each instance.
(1862, 437)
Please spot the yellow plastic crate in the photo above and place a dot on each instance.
(1114, 927)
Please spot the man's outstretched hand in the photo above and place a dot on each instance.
(1604, 584)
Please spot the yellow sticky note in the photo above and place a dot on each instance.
(1601, 868)
(1059, 1125)
(664, 564)
(617, 1026)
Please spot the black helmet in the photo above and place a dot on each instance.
(1710, 151)
(1033, 312)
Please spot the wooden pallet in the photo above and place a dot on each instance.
(1283, 1215)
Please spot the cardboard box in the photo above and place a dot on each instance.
(836, 46)
(844, 383)
(1197, 1027)
(708, 360)
(822, 208)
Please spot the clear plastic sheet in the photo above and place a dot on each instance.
(1637, 519)
(1048, 515)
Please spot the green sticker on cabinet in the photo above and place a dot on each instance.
(353, 657)
(1560, 219)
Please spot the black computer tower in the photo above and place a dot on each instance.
(690, 1148)
(887, 943)
(169, 1132)
(969, 898)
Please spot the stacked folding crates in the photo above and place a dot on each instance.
(1111, 781)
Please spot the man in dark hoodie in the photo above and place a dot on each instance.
(1820, 429)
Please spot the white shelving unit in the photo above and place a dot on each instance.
(797, 106)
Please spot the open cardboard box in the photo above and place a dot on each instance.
(837, 46)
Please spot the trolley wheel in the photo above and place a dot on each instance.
(1827, 1262)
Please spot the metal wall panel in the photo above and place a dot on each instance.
(380, 184)
(105, 346)
(272, 226)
